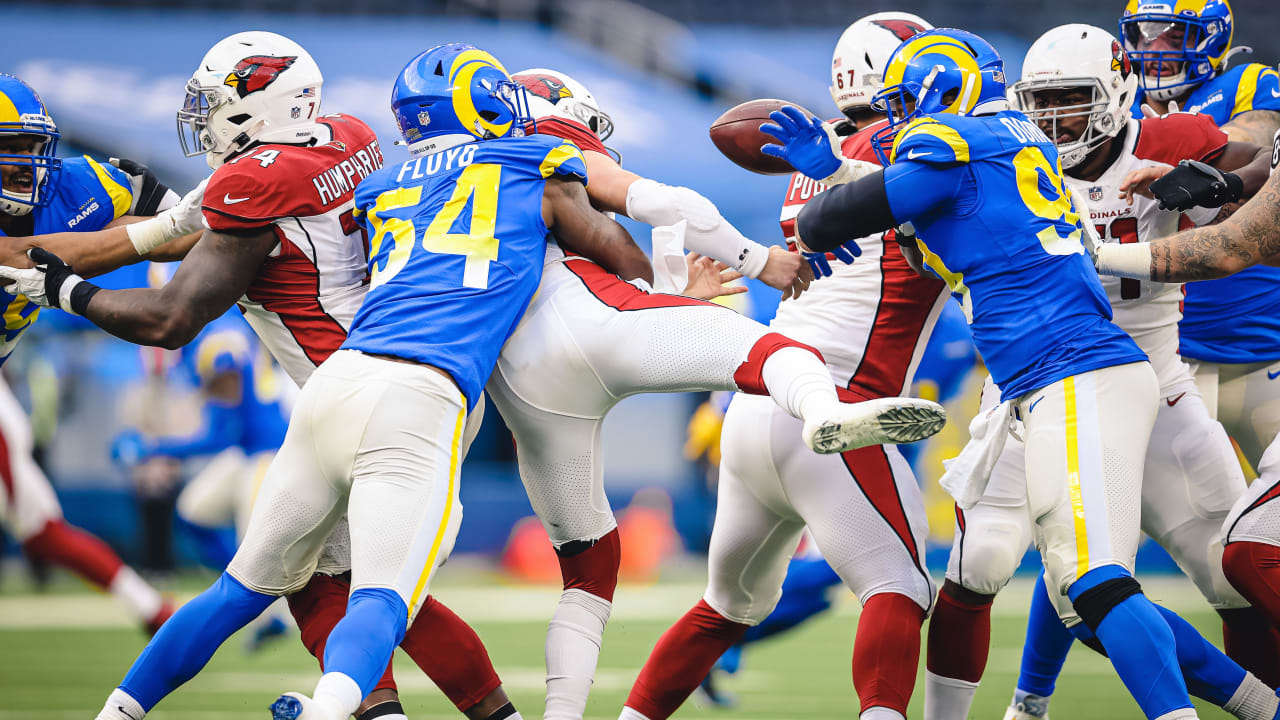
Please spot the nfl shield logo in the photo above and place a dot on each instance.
(1095, 193)
(424, 119)
(295, 113)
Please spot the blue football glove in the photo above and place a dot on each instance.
(130, 448)
(803, 142)
(822, 266)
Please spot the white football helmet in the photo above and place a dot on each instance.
(251, 87)
(554, 94)
(1078, 56)
(857, 66)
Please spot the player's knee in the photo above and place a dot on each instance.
(1100, 596)
(591, 565)
(1208, 461)
(739, 605)
(988, 565)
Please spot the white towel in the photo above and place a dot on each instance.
(670, 273)
(967, 474)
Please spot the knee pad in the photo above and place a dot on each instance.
(1096, 602)
(987, 563)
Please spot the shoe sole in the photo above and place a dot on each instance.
(894, 425)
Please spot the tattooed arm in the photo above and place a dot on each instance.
(1254, 126)
(1249, 237)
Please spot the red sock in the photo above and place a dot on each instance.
(1250, 640)
(594, 569)
(317, 608)
(1254, 570)
(451, 654)
(959, 633)
(887, 652)
(61, 544)
(683, 656)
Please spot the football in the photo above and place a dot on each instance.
(737, 134)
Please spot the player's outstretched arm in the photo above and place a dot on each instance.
(1255, 126)
(95, 253)
(1249, 237)
(584, 230)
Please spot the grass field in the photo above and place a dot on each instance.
(64, 650)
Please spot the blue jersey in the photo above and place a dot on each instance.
(993, 219)
(1235, 319)
(87, 196)
(457, 243)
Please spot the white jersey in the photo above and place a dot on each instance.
(1148, 311)
(870, 320)
(305, 295)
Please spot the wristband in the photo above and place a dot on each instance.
(1130, 260)
(149, 234)
(75, 294)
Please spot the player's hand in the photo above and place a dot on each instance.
(786, 271)
(1150, 112)
(1196, 184)
(820, 263)
(186, 217)
(804, 142)
(129, 448)
(708, 279)
(1138, 182)
(48, 284)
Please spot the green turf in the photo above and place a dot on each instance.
(52, 674)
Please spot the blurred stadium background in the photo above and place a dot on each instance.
(113, 74)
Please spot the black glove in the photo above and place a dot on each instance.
(1195, 184)
(62, 287)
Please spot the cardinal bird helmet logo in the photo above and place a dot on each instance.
(547, 87)
(256, 72)
(902, 29)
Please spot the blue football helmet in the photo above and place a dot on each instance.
(29, 170)
(454, 94)
(938, 71)
(1177, 44)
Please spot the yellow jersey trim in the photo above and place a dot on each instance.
(121, 195)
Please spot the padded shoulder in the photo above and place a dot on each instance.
(931, 140)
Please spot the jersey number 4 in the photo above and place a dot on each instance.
(477, 183)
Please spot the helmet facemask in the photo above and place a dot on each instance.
(1171, 52)
(1101, 124)
(39, 167)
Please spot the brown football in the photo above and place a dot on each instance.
(737, 134)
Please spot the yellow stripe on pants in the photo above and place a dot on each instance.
(1073, 477)
(448, 510)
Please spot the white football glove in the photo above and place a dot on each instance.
(181, 219)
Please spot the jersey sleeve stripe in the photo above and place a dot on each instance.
(942, 132)
(558, 156)
(1247, 89)
(120, 193)
(18, 315)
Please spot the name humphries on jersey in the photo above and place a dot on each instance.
(343, 177)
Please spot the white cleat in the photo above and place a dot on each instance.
(1024, 710)
(296, 706)
(883, 421)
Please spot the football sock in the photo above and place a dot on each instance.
(1254, 570)
(800, 383)
(886, 653)
(1250, 639)
(317, 608)
(629, 713)
(589, 570)
(1045, 648)
(120, 705)
(959, 641)
(59, 543)
(880, 713)
(804, 594)
(1253, 700)
(465, 673)
(1137, 638)
(337, 694)
(506, 712)
(129, 588)
(360, 645)
(186, 642)
(389, 710)
(683, 656)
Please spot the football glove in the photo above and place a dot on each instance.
(803, 142)
(51, 283)
(1196, 184)
(821, 263)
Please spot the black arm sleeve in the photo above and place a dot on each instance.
(844, 213)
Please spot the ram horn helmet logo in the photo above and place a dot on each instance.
(256, 72)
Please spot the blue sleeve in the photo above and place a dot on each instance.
(914, 189)
(220, 428)
(1259, 89)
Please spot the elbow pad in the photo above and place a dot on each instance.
(707, 232)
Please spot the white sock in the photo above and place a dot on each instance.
(338, 695)
(629, 714)
(121, 706)
(881, 713)
(1180, 714)
(135, 592)
(514, 716)
(947, 698)
(800, 383)
(573, 650)
(1253, 700)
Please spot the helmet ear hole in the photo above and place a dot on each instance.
(240, 119)
(488, 115)
(950, 96)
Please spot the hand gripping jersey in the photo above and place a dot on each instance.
(88, 195)
(476, 212)
(1150, 311)
(1235, 319)
(871, 319)
(305, 295)
(994, 220)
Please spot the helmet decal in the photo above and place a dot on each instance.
(547, 87)
(256, 72)
(1120, 59)
(902, 29)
